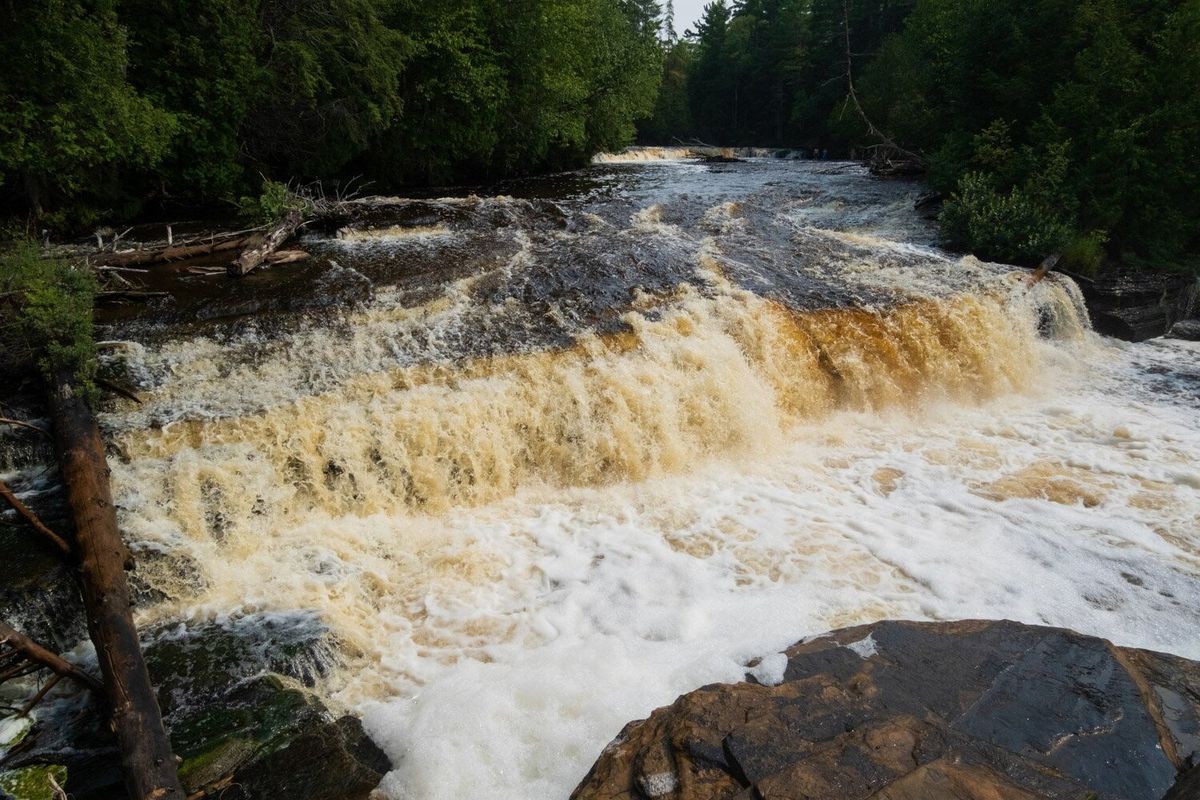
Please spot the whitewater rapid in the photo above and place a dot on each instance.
(630, 442)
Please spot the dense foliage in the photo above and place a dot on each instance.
(105, 103)
(1051, 125)
(46, 314)
(769, 72)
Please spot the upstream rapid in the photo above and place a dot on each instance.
(587, 445)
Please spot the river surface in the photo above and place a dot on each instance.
(590, 444)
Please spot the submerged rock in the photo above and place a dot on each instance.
(923, 711)
(236, 703)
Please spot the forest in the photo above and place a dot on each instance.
(108, 105)
(1049, 126)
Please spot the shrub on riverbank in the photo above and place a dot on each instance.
(46, 313)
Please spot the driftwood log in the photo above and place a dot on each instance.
(146, 757)
(1039, 274)
(130, 258)
(255, 256)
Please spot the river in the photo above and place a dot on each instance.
(594, 442)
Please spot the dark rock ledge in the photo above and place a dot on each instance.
(1139, 305)
(925, 711)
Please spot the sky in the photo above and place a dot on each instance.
(687, 12)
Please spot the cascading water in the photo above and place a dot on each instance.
(574, 457)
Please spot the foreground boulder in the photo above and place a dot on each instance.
(923, 711)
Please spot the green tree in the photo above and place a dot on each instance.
(70, 122)
(711, 84)
(207, 74)
(672, 116)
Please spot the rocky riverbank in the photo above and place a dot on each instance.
(1139, 306)
(936, 711)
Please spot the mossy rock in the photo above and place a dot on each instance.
(193, 663)
(269, 740)
(32, 783)
(234, 697)
(235, 702)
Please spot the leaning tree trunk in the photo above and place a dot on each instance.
(146, 757)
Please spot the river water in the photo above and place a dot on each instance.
(605, 438)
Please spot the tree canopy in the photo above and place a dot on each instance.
(1050, 125)
(108, 103)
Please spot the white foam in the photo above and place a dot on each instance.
(770, 670)
(641, 593)
(865, 647)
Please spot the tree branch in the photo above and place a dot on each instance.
(27, 514)
(20, 424)
(32, 651)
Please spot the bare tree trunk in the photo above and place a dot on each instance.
(146, 756)
(853, 94)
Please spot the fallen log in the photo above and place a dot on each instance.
(31, 651)
(180, 252)
(254, 257)
(121, 296)
(34, 521)
(286, 257)
(147, 760)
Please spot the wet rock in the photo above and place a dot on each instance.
(923, 711)
(929, 205)
(236, 702)
(1188, 329)
(31, 783)
(1138, 306)
(269, 739)
(38, 593)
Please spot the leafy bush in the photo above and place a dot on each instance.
(1085, 253)
(52, 306)
(1011, 227)
(275, 202)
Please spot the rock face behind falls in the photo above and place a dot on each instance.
(924, 711)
